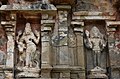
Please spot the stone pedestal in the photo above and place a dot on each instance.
(98, 72)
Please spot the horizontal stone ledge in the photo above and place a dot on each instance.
(8, 23)
(32, 12)
(46, 29)
(69, 68)
(63, 6)
(47, 21)
(93, 18)
(113, 29)
(77, 23)
(78, 29)
(16, 6)
(92, 13)
(112, 23)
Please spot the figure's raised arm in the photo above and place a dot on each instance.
(37, 33)
(18, 36)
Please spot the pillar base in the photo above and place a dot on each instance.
(45, 71)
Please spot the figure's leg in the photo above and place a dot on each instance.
(27, 58)
(94, 59)
(30, 59)
(32, 54)
(99, 58)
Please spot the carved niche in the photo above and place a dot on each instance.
(27, 46)
(95, 41)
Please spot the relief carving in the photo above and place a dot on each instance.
(96, 42)
(27, 42)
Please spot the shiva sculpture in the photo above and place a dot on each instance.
(27, 46)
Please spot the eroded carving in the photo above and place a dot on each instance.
(96, 42)
(28, 54)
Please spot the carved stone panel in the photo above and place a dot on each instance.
(95, 41)
(27, 47)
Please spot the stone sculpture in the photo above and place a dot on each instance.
(96, 42)
(27, 45)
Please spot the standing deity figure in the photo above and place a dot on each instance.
(28, 41)
(96, 42)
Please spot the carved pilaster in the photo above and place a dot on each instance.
(46, 55)
(8, 23)
(113, 31)
(80, 55)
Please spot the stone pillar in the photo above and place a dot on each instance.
(78, 30)
(9, 25)
(46, 52)
(113, 31)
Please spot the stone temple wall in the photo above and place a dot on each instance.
(68, 40)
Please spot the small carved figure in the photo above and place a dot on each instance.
(28, 41)
(96, 42)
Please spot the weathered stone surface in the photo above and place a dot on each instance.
(45, 37)
(77, 23)
(114, 51)
(63, 7)
(93, 5)
(112, 23)
(34, 6)
(47, 21)
(63, 40)
(94, 17)
(65, 75)
(10, 51)
(2, 75)
(73, 56)
(44, 16)
(60, 52)
(64, 55)
(45, 53)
